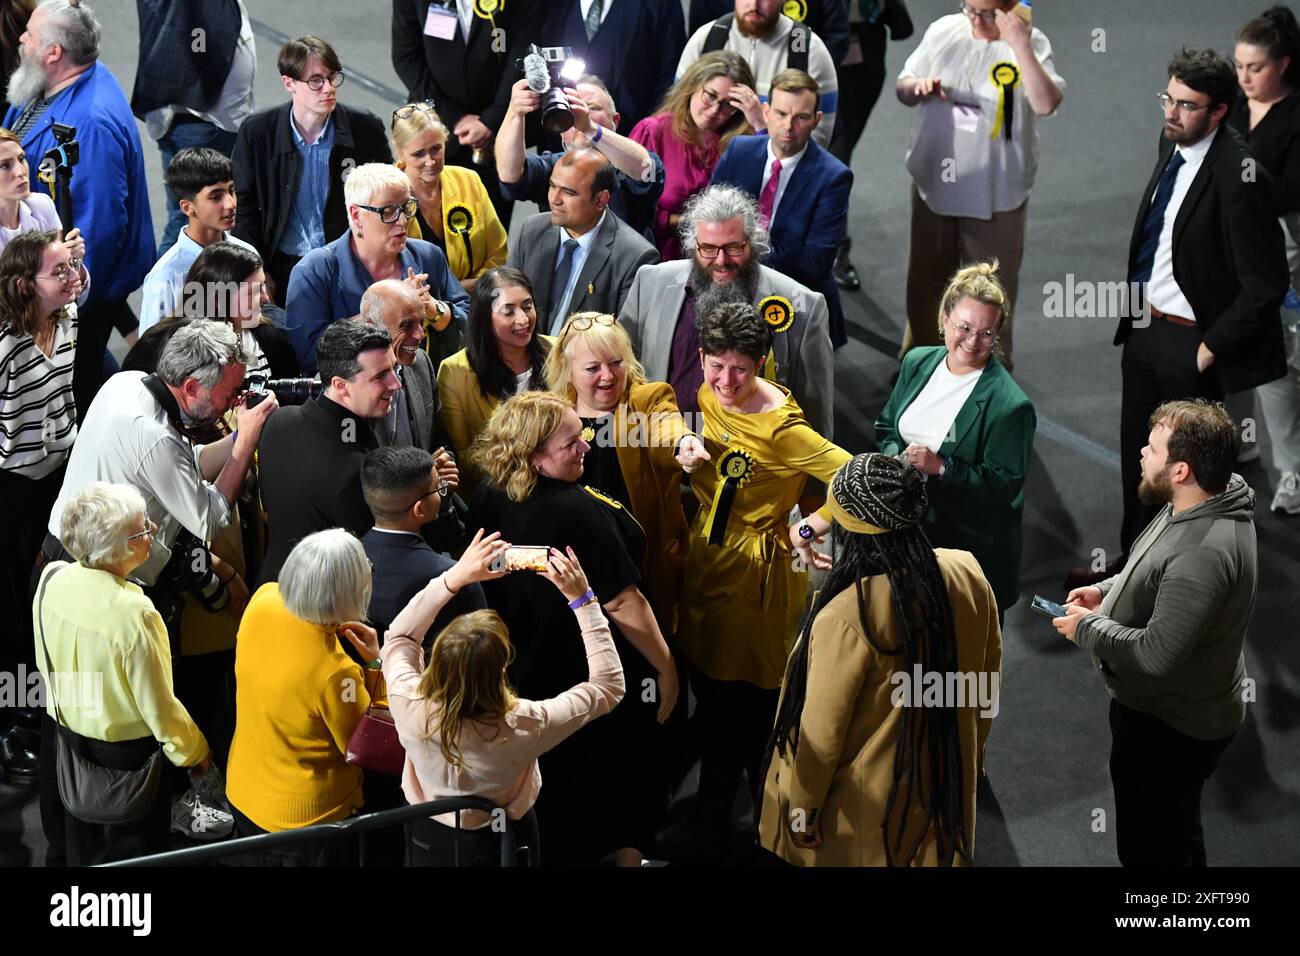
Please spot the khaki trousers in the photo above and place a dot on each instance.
(941, 245)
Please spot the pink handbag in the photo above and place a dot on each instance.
(374, 744)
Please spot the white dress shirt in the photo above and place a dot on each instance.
(162, 291)
(787, 170)
(1162, 291)
(560, 308)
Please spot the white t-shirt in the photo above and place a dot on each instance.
(523, 381)
(929, 419)
(958, 167)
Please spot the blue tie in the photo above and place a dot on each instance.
(562, 283)
(1155, 221)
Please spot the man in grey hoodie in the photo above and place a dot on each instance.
(1167, 633)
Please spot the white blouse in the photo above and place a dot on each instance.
(929, 419)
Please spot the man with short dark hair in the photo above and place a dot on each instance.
(203, 181)
(1207, 248)
(310, 463)
(405, 494)
(1167, 633)
(580, 257)
(290, 161)
(802, 190)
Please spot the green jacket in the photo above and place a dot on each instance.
(977, 505)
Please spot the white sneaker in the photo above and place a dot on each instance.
(1287, 498)
(193, 818)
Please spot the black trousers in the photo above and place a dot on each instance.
(860, 86)
(734, 720)
(1159, 365)
(342, 851)
(430, 843)
(95, 324)
(1158, 774)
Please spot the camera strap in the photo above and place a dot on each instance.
(204, 434)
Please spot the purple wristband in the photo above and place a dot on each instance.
(582, 599)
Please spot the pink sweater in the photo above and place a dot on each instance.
(499, 761)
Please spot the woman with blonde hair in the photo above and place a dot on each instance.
(640, 444)
(602, 791)
(465, 731)
(456, 212)
(957, 415)
(710, 105)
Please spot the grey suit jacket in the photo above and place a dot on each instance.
(421, 405)
(615, 255)
(805, 361)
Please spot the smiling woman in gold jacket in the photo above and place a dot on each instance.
(456, 213)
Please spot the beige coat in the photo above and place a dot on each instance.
(845, 761)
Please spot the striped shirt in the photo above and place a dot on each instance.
(38, 419)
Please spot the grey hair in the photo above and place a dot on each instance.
(718, 204)
(382, 296)
(368, 178)
(200, 349)
(326, 579)
(97, 522)
(72, 26)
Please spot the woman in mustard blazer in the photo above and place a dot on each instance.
(503, 355)
(958, 416)
(456, 213)
(640, 444)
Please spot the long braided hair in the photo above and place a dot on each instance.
(927, 753)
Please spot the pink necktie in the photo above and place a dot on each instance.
(768, 199)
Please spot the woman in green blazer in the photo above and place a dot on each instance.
(958, 416)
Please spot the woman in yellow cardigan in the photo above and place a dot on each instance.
(640, 444)
(299, 697)
(455, 211)
(503, 355)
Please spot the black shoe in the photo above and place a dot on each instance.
(1082, 576)
(18, 764)
(846, 277)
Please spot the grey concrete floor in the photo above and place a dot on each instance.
(1048, 751)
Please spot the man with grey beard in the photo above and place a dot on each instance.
(61, 81)
(723, 241)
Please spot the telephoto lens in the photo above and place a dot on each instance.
(288, 391)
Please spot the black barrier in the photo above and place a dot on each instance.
(333, 831)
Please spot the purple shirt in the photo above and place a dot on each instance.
(687, 170)
(684, 372)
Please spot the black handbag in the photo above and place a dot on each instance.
(90, 792)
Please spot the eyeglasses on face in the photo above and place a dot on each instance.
(388, 214)
(712, 99)
(1183, 105)
(147, 532)
(732, 249)
(316, 82)
(406, 112)
(963, 331)
(64, 274)
(988, 16)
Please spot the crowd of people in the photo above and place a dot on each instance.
(556, 504)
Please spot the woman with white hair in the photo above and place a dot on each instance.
(328, 283)
(103, 650)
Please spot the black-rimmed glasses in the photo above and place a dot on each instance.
(316, 82)
(388, 214)
(732, 249)
(988, 16)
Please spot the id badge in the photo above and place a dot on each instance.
(440, 23)
(966, 117)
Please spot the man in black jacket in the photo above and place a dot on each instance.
(291, 160)
(1207, 247)
(310, 466)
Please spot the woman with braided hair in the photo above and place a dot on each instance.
(868, 765)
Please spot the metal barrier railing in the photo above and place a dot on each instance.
(333, 831)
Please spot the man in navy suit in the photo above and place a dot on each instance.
(633, 45)
(802, 190)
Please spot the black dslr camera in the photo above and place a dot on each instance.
(288, 391)
(548, 69)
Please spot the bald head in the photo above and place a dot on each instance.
(397, 307)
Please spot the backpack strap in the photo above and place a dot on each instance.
(719, 30)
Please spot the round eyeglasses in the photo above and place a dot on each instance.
(316, 82)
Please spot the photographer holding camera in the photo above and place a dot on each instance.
(640, 179)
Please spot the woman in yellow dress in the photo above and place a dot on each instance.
(744, 591)
(456, 213)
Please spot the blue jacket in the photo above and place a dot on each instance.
(327, 284)
(110, 197)
(810, 220)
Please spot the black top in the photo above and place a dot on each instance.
(600, 468)
(427, 233)
(1276, 144)
(403, 565)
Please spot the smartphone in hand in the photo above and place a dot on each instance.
(523, 558)
(1050, 608)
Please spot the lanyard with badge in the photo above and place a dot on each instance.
(441, 20)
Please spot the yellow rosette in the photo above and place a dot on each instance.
(735, 467)
(487, 9)
(1006, 77)
(796, 10)
(778, 313)
(461, 222)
